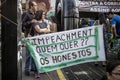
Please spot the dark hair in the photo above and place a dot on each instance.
(102, 18)
(53, 18)
(38, 15)
(84, 22)
(111, 65)
(96, 18)
(110, 13)
(31, 3)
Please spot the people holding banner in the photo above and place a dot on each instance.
(27, 21)
(101, 20)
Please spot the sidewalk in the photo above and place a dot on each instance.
(86, 71)
(43, 76)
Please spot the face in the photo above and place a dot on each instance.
(43, 15)
(115, 75)
(34, 6)
(109, 16)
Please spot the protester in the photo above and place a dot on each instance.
(42, 6)
(96, 22)
(115, 27)
(28, 18)
(27, 21)
(91, 22)
(115, 22)
(84, 23)
(101, 20)
(113, 70)
(41, 27)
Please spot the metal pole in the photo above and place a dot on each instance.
(9, 39)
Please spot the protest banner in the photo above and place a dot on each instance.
(99, 5)
(67, 48)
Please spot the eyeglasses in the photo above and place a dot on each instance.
(116, 73)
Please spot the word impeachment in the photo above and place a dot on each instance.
(62, 46)
(61, 37)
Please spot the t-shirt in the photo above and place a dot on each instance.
(91, 22)
(41, 25)
(116, 20)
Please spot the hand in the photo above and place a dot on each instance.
(34, 20)
(47, 30)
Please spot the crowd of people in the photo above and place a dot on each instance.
(34, 23)
(111, 31)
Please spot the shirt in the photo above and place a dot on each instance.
(41, 25)
(116, 21)
(27, 17)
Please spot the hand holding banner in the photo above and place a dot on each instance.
(67, 48)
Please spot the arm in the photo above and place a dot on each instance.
(114, 30)
(45, 30)
(25, 21)
(48, 29)
(96, 22)
(113, 26)
(55, 27)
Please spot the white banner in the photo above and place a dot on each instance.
(67, 48)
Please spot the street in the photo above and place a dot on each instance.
(86, 71)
